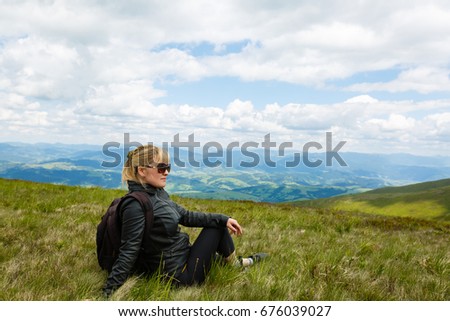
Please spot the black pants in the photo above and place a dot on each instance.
(203, 251)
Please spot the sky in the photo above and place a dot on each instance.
(373, 73)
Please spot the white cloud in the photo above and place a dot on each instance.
(297, 42)
(38, 68)
(130, 99)
(437, 125)
(237, 109)
(365, 99)
(395, 122)
(381, 124)
(424, 80)
(83, 70)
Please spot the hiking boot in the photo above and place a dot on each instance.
(258, 257)
(252, 259)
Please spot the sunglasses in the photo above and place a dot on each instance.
(161, 167)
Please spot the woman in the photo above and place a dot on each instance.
(166, 248)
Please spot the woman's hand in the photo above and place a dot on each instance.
(234, 227)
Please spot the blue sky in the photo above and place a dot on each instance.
(219, 91)
(374, 73)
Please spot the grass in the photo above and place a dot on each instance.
(47, 252)
(430, 200)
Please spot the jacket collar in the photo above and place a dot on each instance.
(138, 187)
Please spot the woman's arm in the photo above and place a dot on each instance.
(133, 224)
(199, 219)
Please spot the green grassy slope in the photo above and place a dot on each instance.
(430, 200)
(413, 188)
(47, 252)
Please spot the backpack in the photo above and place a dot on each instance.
(109, 229)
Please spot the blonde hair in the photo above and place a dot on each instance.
(142, 156)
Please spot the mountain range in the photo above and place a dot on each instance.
(227, 176)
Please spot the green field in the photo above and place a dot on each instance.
(47, 251)
(430, 200)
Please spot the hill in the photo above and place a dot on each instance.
(89, 165)
(429, 200)
(47, 251)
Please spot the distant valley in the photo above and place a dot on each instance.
(82, 165)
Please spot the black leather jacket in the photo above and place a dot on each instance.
(169, 248)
